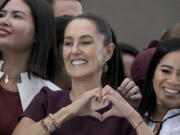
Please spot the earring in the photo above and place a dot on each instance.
(105, 68)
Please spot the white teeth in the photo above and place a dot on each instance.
(3, 32)
(171, 91)
(78, 62)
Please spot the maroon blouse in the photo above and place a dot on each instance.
(10, 110)
(47, 101)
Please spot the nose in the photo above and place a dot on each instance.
(76, 49)
(4, 21)
(174, 79)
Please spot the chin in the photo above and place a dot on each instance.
(171, 105)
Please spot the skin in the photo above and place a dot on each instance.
(167, 76)
(18, 22)
(127, 62)
(80, 45)
(67, 7)
(16, 44)
(87, 95)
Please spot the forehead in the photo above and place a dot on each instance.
(67, 7)
(171, 59)
(80, 27)
(17, 5)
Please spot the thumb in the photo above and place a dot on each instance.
(107, 114)
(97, 115)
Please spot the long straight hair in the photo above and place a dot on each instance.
(115, 74)
(148, 102)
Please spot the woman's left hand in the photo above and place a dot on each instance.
(120, 107)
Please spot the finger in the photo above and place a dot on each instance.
(129, 87)
(107, 114)
(97, 115)
(122, 88)
(136, 97)
(97, 95)
(87, 96)
(104, 91)
(107, 90)
(112, 98)
(135, 90)
(125, 82)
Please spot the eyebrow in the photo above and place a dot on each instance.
(17, 11)
(68, 37)
(81, 37)
(14, 11)
(166, 66)
(86, 36)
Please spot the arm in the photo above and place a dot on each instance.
(29, 127)
(79, 107)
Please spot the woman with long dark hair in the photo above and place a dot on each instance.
(28, 55)
(161, 93)
(87, 47)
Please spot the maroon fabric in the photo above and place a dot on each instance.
(141, 62)
(48, 101)
(10, 110)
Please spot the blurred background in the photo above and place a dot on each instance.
(136, 22)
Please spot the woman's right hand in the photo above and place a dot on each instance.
(82, 106)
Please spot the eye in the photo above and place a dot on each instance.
(68, 43)
(85, 42)
(2, 14)
(165, 71)
(17, 16)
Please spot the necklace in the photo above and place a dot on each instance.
(8, 89)
(7, 78)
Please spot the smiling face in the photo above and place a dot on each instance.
(83, 51)
(166, 81)
(16, 27)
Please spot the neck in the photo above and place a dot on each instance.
(15, 64)
(79, 86)
(159, 112)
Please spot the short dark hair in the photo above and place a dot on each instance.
(148, 102)
(128, 49)
(172, 32)
(52, 1)
(61, 23)
(114, 74)
(43, 59)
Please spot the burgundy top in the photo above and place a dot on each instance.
(10, 110)
(47, 101)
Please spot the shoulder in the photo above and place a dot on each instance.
(49, 92)
(49, 84)
(55, 97)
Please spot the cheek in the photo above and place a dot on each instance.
(27, 32)
(156, 82)
(100, 56)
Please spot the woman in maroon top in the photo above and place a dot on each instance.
(89, 108)
(27, 56)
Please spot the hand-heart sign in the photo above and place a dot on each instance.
(101, 97)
